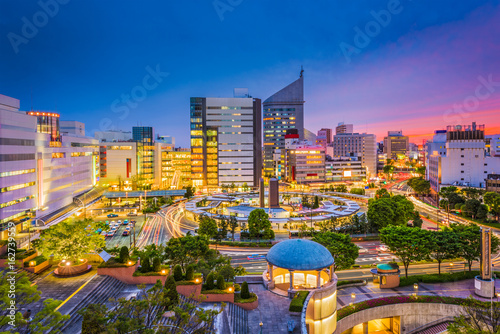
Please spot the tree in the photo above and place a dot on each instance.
(381, 193)
(341, 188)
(258, 221)
(124, 254)
(94, 319)
(469, 238)
(420, 170)
(343, 250)
(471, 207)
(190, 272)
(316, 202)
(245, 293)
(170, 294)
(189, 192)
(417, 220)
(71, 240)
(209, 282)
(388, 171)
(207, 226)
(25, 295)
(477, 317)
(223, 228)
(233, 224)
(178, 273)
(419, 185)
(409, 244)
(227, 272)
(221, 285)
(156, 264)
(357, 191)
(145, 265)
(446, 246)
(395, 210)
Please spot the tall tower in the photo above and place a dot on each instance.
(282, 111)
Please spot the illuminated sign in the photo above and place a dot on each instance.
(347, 173)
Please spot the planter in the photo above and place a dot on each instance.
(252, 306)
(218, 297)
(38, 268)
(63, 270)
(3, 250)
(190, 291)
(126, 275)
(5, 262)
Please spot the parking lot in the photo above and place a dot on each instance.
(118, 225)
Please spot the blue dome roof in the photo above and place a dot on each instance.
(299, 254)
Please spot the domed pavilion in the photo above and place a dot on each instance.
(298, 264)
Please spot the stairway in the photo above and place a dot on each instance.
(107, 287)
(238, 319)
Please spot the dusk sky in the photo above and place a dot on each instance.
(427, 65)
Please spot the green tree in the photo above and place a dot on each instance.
(381, 193)
(446, 246)
(178, 273)
(417, 220)
(95, 319)
(207, 226)
(223, 228)
(381, 212)
(388, 171)
(357, 191)
(71, 240)
(343, 250)
(419, 185)
(26, 295)
(209, 282)
(245, 293)
(420, 170)
(341, 188)
(258, 221)
(316, 202)
(469, 238)
(124, 254)
(189, 192)
(227, 272)
(471, 208)
(156, 264)
(233, 224)
(221, 285)
(477, 317)
(408, 244)
(170, 294)
(190, 272)
(145, 264)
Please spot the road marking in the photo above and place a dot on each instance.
(74, 293)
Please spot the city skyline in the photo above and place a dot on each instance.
(408, 76)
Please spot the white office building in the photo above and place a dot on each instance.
(465, 162)
(361, 145)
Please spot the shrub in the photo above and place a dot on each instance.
(178, 273)
(221, 285)
(156, 264)
(39, 259)
(145, 265)
(253, 244)
(190, 273)
(227, 272)
(245, 293)
(435, 278)
(124, 255)
(170, 292)
(298, 301)
(352, 281)
(238, 299)
(237, 288)
(209, 283)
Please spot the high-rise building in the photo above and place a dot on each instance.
(42, 169)
(225, 141)
(324, 137)
(309, 136)
(144, 137)
(305, 162)
(344, 128)
(396, 145)
(176, 168)
(355, 144)
(282, 111)
(465, 161)
(344, 169)
(492, 145)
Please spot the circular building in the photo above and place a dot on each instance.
(298, 264)
(303, 265)
(387, 275)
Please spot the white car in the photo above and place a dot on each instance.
(362, 250)
(382, 248)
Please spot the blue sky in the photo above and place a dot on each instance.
(85, 57)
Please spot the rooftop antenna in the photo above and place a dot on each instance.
(301, 70)
(31, 98)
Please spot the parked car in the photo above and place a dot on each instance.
(125, 233)
(132, 214)
(125, 222)
(112, 215)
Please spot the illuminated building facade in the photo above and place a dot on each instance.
(282, 111)
(357, 144)
(396, 146)
(176, 168)
(305, 163)
(41, 169)
(225, 141)
(344, 169)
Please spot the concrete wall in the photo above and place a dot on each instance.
(412, 315)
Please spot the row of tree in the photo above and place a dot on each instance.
(414, 244)
(470, 202)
